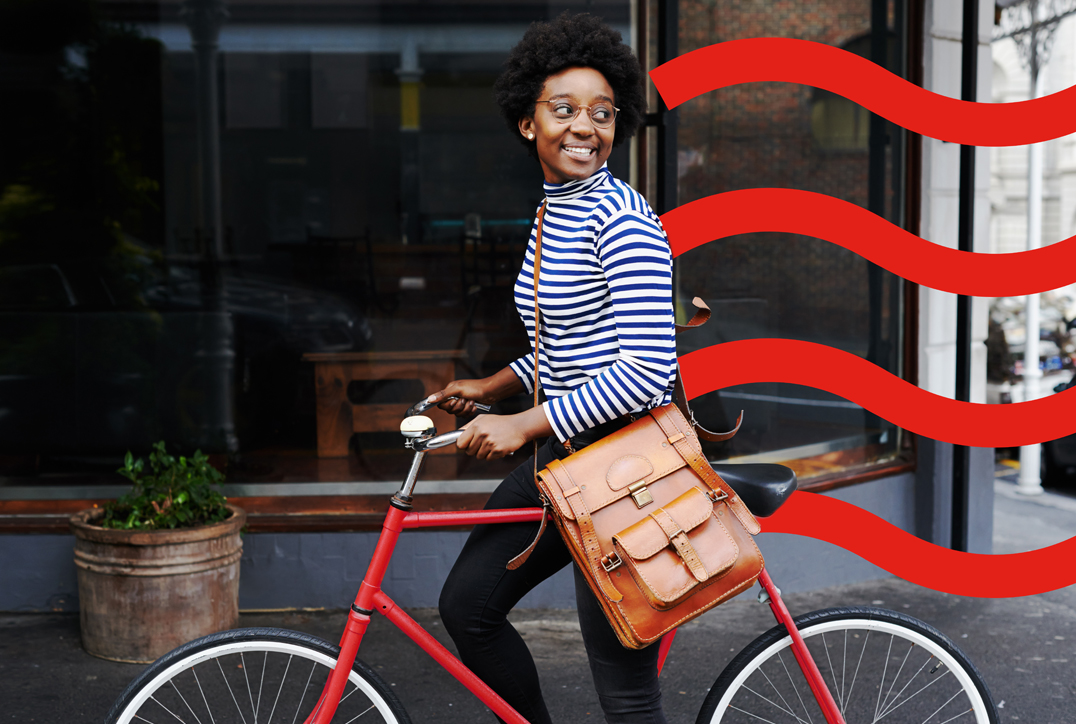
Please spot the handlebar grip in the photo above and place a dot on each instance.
(419, 407)
(443, 440)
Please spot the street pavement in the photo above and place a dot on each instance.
(1025, 647)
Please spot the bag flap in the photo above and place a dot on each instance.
(646, 538)
(597, 468)
(627, 470)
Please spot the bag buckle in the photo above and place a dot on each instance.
(716, 496)
(610, 561)
(640, 494)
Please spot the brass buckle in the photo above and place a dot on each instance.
(716, 496)
(610, 561)
(640, 494)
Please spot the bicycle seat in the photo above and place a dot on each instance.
(763, 487)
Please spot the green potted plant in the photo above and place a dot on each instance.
(160, 565)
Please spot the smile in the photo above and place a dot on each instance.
(579, 151)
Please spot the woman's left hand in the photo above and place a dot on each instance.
(491, 437)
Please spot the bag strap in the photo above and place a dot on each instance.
(522, 557)
(591, 545)
(702, 314)
(693, 456)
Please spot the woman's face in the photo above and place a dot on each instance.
(573, 150)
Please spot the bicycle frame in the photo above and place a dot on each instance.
(371, 598)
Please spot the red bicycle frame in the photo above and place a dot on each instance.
(371, 598)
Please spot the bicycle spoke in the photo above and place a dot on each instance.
(257, 709)
(349, 693)
(280, 688)
(358, 715)
(832, 670)
(896, 678)
(954, 718)
(305, 689)
(844, 662)
(795, 688)
(881, 684)
(753, 716)
(158, 703)
(773, 703)
(229, 685)
(924, 688)
(246, 678)
(184, 700)
(786, 707)
(855, 675)
(202, 692)
(143, 719)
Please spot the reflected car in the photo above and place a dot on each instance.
(1059, 456)
(96, 361)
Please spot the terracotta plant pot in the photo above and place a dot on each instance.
(143, 593)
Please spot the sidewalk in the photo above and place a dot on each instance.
(1025, 647)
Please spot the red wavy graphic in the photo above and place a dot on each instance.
(872, 237)
(915, 560)
(871, 86)
(884, 394)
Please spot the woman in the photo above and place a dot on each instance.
(571, 90)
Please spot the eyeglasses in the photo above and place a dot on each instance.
(601, 115)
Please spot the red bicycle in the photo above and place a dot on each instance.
(846, 665)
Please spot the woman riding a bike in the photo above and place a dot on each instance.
(571, 91)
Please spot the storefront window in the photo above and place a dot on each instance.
(776, 285)
(256, 229)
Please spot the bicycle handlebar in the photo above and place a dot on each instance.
(419, 407)
(443, 440)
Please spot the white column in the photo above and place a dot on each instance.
(1030, 480)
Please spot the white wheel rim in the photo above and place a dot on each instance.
(873, 625)
(236, 647)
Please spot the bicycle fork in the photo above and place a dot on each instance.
(807, 664)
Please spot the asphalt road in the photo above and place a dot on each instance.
(1025, 647)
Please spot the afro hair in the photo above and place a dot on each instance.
(571, 41)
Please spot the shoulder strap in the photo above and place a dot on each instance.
(702, 314)
(520, 559)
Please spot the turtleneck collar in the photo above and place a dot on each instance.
(577, 188)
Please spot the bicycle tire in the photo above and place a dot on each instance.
(764, 682)
(235, 676)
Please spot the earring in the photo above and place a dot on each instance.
(530, 136)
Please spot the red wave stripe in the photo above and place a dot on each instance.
(872, 237)
(884, 394)
(926, 564)
(801, 61)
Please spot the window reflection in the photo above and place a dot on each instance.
(212, 213)
(783, 135)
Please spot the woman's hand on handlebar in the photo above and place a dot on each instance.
(466, 392)
(490, 437)
(487, 390)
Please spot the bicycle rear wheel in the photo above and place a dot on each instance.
(252, 676)
(879, 665)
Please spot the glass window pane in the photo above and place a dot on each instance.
(777, 285)
(265, 251)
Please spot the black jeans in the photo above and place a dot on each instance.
(480, 592)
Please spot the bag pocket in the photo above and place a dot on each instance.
(677, 549)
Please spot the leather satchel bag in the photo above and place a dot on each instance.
(659, 536)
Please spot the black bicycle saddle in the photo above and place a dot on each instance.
(763, 487)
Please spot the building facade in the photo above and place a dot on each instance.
(263, 229)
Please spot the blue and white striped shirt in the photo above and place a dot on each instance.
(607, 344)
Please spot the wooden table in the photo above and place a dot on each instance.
(338, 417)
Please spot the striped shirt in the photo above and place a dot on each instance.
(607, 343)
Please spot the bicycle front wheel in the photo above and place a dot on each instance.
(249, 676)
(879, 665)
